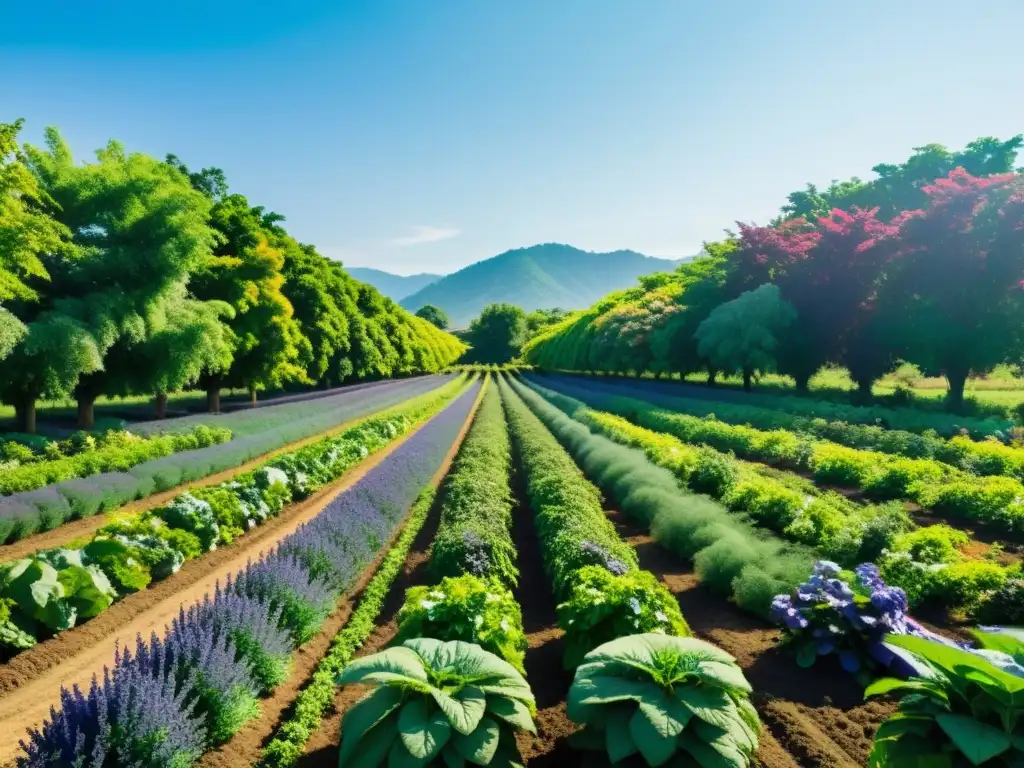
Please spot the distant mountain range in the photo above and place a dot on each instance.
(539, 277)
(395, 287)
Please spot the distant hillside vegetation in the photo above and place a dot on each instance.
(539, 277)
(395, 287)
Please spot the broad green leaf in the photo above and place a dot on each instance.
(512, 692)
(977, 741)
(87, 590)
(364, 715)
(463, 710)
(470, 661)
(395, 662)
(605, 690)
(655, 747)
(707, 756)
(34, 585)
(726, 674)
(641, 651)
(886, 685)
(900, 724)
(667, 715)
(1009, 640)
(712, 705)
(618, 737)
(512, 711)
(955, 662)
(479, 746)
(424, 730)
(373, 747)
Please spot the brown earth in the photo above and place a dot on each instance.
(30, 683)
(244, 748)
(83, 528)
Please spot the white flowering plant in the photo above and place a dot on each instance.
(467, 608)
(603, 606)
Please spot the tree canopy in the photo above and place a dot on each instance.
(497, 335)
(434, 315)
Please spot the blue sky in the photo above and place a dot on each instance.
(424, 135)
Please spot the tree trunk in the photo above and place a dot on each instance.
(86, 411)
(712, 376)
(957, 381)
(748, 375)
(252, 396)
(865, 390)
(803, 384)
(213, 398)
(26, 416)
(161, 405)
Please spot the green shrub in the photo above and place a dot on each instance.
(657, 696)
(933, 544)
(433, 699)
(1005, 605)
(767, 502)
(602, 607)
(961, 710)
(466, 608)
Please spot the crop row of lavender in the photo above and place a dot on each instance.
(177, 696)
(43, 509)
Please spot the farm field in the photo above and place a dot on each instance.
(507, 524)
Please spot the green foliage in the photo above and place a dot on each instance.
(433, 315)
(193, 515)
(476, 502)
(431, 699)
(466, 608)
(657, 696)
(603, 606)
(286, 747)
(497, 335)
(961, 708)
(568, 515)
(743, 335)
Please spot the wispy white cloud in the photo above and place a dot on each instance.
(426, 235)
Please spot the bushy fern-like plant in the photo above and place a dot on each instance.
(667, 699)
(433, 701)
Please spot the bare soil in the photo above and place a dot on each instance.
(30, 683)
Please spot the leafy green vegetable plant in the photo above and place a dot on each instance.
(466, 608)
(435, 700)
(670, 700)
(960, 710)
(603, 606)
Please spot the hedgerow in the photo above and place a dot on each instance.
(731, 557)
(996, 501)
(593, 571)
(926, 562)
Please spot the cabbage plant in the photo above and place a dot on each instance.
(665, 699)
(434, 701)
(962, 708)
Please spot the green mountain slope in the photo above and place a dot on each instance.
(539, 277)
(395, 287)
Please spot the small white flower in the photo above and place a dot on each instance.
(478, 621)
(504, 625)
(492, 598)
(437, 594)
(427, 604)
(634, 604)
(660, 616)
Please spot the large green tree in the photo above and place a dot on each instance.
(138, 227)
(497, 335)
(434, 315)
(743, 335)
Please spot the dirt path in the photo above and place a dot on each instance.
(245, 747)
(84, 527)
(30, 683)
(814, 718)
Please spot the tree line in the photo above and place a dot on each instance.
(922, 264)
(134, 275)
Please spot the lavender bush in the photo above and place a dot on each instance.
(173, 698)
(833, 613)
(257, 432)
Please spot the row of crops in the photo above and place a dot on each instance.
(439, 655)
